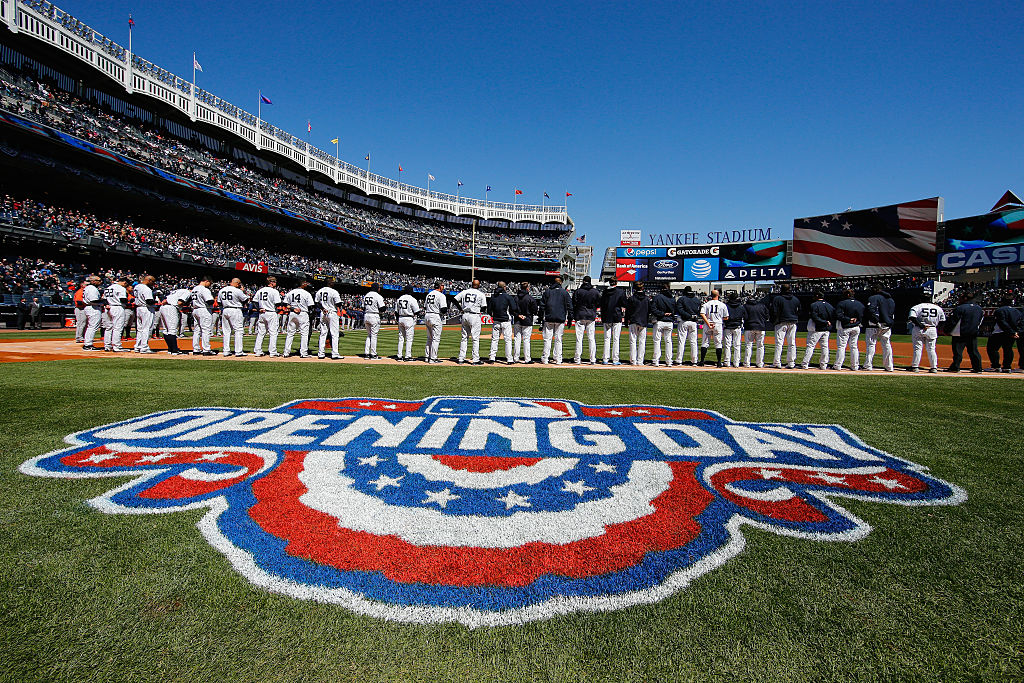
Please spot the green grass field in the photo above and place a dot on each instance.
(933, 593)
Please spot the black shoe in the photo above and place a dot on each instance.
(480, 362)
(952, 370)
(209, 353)
(719, 364)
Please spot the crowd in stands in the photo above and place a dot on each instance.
(987, 294)
(65, 112)
(840, 285)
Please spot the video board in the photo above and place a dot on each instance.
(746, 261)
(992, 239)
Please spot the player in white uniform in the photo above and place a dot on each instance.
(116, 296)
(170, 317)
(299, 302)
(713, 313)
(202, 317)
(93, 311)
(328, 299)
(145, 310)
(472, 302)
(232, 299)
(924, 319)
(406, 308)
(434, 307)
(268, 299)
(373, 304)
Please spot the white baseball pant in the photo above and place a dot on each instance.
(202, 327)
(847, 336)
(144, 325)
(875, 335)
(754, 338)
(329, 324)
(470, 329)
(268, 322)
(170, 319)
(297, 322)
(406, 328)
(232, 322)
(434, 326)
(924, 339)
(552, 332)
(814, 339)
(587, 328)
(637, 344)
(92, 317)
(612, 336)
(663, 337)
(712, 333)
(81, 324)
(687, 331)
(731, 347)
(501, 330)
(371, 321)
(785, 335)
(522, 341)
(116, 316)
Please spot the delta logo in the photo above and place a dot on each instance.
(485, 511)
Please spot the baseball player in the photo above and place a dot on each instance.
(687, 314)
(1004, 333)
(819, 326)
(145, 310)
(472, 302)
(299, 302)
(406, 308)
(93, 303)
(714, 314)
(502, 308)
(732, 330)
(373, 304)
(755, 321)
(116, 296)
(638, 308)
(556, 307)
(584, 306)
(849, 319)
(924, 331)
(232, 299)
(328, 300)
(202, 317)
(663, 310)
(170, 317)
(785, 313)
(878, 327)
(81, 319)
(965, 321)
(434, 307)
(267, 299)
(522, 330)
(613, 310)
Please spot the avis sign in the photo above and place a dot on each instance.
(252, 267)
(485, 511)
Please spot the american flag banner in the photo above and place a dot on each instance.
(899, 238)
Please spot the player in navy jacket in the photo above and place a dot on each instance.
(613, 308)
(556, 309)
(584, 303)
(733, 330)
(819, 325)
(756, 321)
(785, 314)
(849, 319)
(1006, 331)
(663, 310)
(637, 314)
(964, 324)
(522, 328)
(687, 319)
(878, 322)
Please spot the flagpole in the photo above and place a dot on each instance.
(428, 186)
(193, 85)
(472, 268)
(259, 108)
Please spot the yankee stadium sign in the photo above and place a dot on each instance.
(485, 511)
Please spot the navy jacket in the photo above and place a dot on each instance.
(850, 313)
(737, 314)
(785, 308)
(688, 308)
(1009, 319)
(822, 315)
(663, 308)
(526, 306)
(556, 305)
(501, 306)
(613, 300)
(585, 301)
(965, 320)
(881, 310)
(638, 309)
(756, 315)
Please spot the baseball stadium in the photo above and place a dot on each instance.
(274, 415)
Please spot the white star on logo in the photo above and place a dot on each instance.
(603, 467)
(442, 498)
(157, 457)
(513, 499)
(384, 480)
(771, 474)
(390, 406)
(99, 457)
(890, 484)
(576, 487)
(846, 226)
(210, 457)
(828, 478)
(372, 460)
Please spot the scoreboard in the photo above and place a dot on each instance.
(709, 263)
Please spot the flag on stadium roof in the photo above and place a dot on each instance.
(309, 126)
(518, 191)
(899, 238)
(431, 178)
(334, 141)
(367, 156)
(1008, 200)
(547, 196)
(195, 63)
(264, 99)
(568, 194)
(400, 169)
(582, 238)
(460, 183)
(488, 189)
(131, 22)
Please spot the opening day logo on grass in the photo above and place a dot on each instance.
(485, 511)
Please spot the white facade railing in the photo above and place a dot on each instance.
(54, 26)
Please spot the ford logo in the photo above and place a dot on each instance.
(666, 263)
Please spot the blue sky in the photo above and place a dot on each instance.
(659, 116)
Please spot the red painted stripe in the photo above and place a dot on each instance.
(875, 258)
(314, 536)
(349, 406)
(483, 463)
